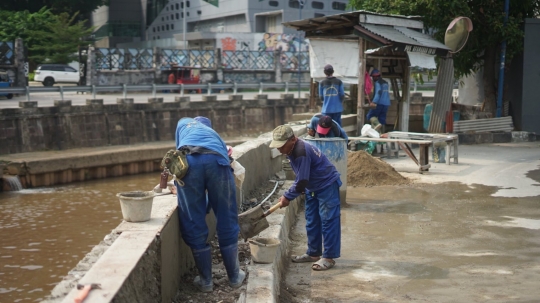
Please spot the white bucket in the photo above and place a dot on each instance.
(263, 250)
(136, 205)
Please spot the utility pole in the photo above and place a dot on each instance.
(185, 23)
(300, 6)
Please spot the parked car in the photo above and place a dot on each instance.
(5, 81)
(49, 74)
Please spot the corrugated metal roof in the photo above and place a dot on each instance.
(424, 39)
(403, 35)
(389, 33)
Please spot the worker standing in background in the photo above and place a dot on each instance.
(381, 102)
(332, 94)
(319, 179)
(209, 171)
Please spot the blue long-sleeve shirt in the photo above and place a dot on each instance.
(335, 131)
(381, 95)
(190, 132)
(313, 170)
(332, 93)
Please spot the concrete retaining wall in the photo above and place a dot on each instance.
(140, 262)
(67, 127)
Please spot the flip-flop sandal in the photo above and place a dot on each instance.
(303, 258)
(323, 264)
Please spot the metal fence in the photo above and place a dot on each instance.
(140, 59)
(7, 53)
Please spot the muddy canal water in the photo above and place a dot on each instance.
(45, 232)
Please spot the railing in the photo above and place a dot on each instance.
(154, 88)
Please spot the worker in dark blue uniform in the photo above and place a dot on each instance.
(381, 102)
(322, 126)
(319, 179)
(209, 170)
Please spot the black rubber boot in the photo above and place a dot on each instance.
(232, 265)
(203, 261)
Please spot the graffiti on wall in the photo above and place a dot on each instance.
(234, 44)
(283, 42)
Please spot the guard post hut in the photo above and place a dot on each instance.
(355, 42)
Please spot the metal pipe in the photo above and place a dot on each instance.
(185, 24)
(501, 67)
(300, 6)
(125, 91)
(153, 90)
(62, 93)
(275, 186)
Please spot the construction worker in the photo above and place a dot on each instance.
(322, 126)
(332, 94)
(209, 172)
(381, 102)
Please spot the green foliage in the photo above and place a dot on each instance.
(48, 37)
(487, 17)
(59, 41)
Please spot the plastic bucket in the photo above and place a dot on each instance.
(335, 149)
(263, 250)
(136, 205)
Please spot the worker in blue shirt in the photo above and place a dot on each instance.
(381, 101)
(209, 171)
(322, 126)
(332, 94)
(319, 179)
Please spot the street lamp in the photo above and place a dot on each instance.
(300, 6)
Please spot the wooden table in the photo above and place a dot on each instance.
(424, 141)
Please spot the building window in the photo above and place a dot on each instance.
(162, 18)
(172, 17)
(187, 3)
(182, 14)
(182, 5)
(167, 27)
(172, 26)
(294, 4)
(177, 5)
(273, 3)
(172, 7)
(154, 29)
(339, 6)
(317, 5)
(199, 12)
(158, 29)
(187, 14)
(163, 28)
(317, 15)
(177, 16)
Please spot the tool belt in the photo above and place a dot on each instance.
(176, 162)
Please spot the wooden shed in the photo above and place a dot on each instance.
(355, 42)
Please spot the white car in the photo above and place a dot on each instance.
(49, 74)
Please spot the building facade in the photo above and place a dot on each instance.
(209, 24)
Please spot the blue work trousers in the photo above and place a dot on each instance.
(335, 116)
(379, 112)
(323, 222)
(212, 173)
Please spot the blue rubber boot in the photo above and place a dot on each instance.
(203, 261)
(232, 265)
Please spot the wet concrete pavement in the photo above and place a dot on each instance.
(462, 233)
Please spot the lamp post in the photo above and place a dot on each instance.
(300, 6)
(184, 23)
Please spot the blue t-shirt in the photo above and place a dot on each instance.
(332, 93)
(313, 170)
(381, 95)
(190, 132)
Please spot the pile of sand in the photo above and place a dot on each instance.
(365, 170)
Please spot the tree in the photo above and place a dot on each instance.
(60, 40)
(48, 37)
(484, 42)
(56, 6)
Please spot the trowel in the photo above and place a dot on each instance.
(253, 221)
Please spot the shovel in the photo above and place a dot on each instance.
(253, 221)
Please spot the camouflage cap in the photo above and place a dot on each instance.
(280, 135)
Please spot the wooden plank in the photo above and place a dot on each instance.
(421, 142)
